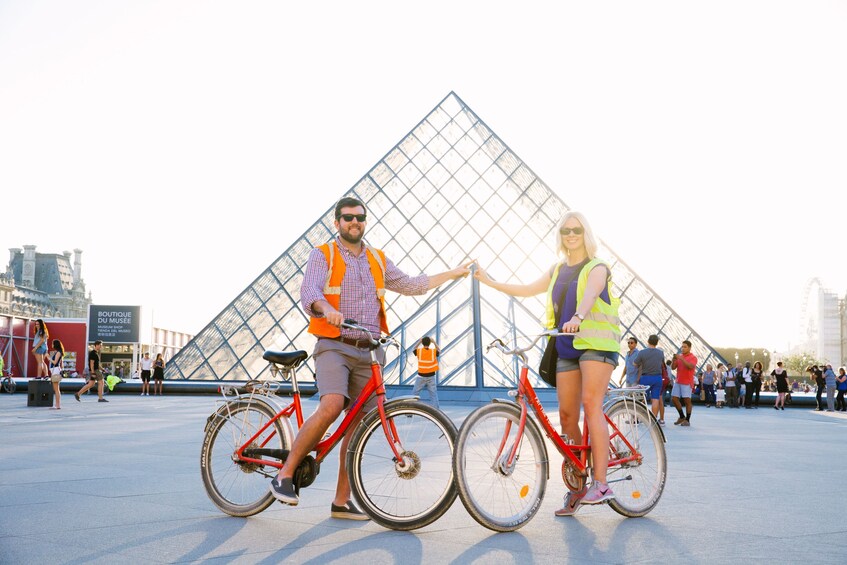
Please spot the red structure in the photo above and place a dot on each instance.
(16, 343)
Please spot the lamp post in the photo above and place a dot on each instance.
(736, 358)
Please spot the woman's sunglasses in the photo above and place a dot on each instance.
(567, 231)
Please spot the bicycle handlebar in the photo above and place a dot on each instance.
(520, 351)
(377, 341)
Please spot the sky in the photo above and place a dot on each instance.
(183, 146)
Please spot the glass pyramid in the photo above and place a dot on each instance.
(449, 191)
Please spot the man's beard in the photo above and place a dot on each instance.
(345, 235)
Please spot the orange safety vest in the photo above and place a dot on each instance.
(427, 361)
(332, 287)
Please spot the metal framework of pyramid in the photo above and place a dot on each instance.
(449, 191)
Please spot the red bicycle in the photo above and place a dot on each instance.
(501, 463)
(399, 458)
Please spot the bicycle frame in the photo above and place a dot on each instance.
(577, 454)
(374, 385)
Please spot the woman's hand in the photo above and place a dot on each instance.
(482, 276)
(572, 325)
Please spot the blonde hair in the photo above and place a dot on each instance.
(587, 237)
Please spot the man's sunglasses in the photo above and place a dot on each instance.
(567, 231)
(349, 217)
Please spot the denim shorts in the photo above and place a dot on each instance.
(565, 365)
(681, 391)
(41, 350)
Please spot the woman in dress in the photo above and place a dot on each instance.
(781, 376)
(55, 358)
(158, 374)
(39, 347)
(579, 299)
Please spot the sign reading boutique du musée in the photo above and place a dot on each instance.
(114, 324)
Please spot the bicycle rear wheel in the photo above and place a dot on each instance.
(500, 496)
(9, 385)
(638, 485)
(236, 487)
(418, 493)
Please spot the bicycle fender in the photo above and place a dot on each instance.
(273, 406)
(530, 421)
(401, 399)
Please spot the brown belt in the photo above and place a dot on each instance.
(360, 343)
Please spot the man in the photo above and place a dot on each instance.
(731, 387)
(345, 279)
(648, 367)
(94, 372)
(630, 372)
(684, 364)
(146, 366)
(427, 368)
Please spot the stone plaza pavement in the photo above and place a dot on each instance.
(119, 482)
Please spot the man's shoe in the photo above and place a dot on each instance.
(685, 423)
(347, 512)
(76, 395)
(283, 491)
(102, 400)
(598, 493)
(679, 421)
(571, 503)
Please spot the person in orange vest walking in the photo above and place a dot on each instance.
(427, 353)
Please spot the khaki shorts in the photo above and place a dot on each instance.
(96, 375)
(343, 369)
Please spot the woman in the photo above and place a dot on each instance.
(39, 347)
(841, 386)
(158, 374)
(56, 372)
(781, 377)
(756, 375)
(579, 300)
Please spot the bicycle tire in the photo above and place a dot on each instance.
(9, 385)
(237, 488)
(394, 498)
(500, 499)
(638, 486)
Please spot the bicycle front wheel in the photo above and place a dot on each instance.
(236, 487)
(638, 484)
(408, 494)
(501, 495)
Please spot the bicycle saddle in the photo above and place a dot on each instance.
(287, 358)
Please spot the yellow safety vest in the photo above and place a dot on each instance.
(600, 329)
(332, 288)
(427, 361)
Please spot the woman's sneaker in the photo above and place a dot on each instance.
(598, 493)
(571, 504)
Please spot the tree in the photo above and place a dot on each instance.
(796, 364)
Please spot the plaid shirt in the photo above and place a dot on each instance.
(358, 289)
